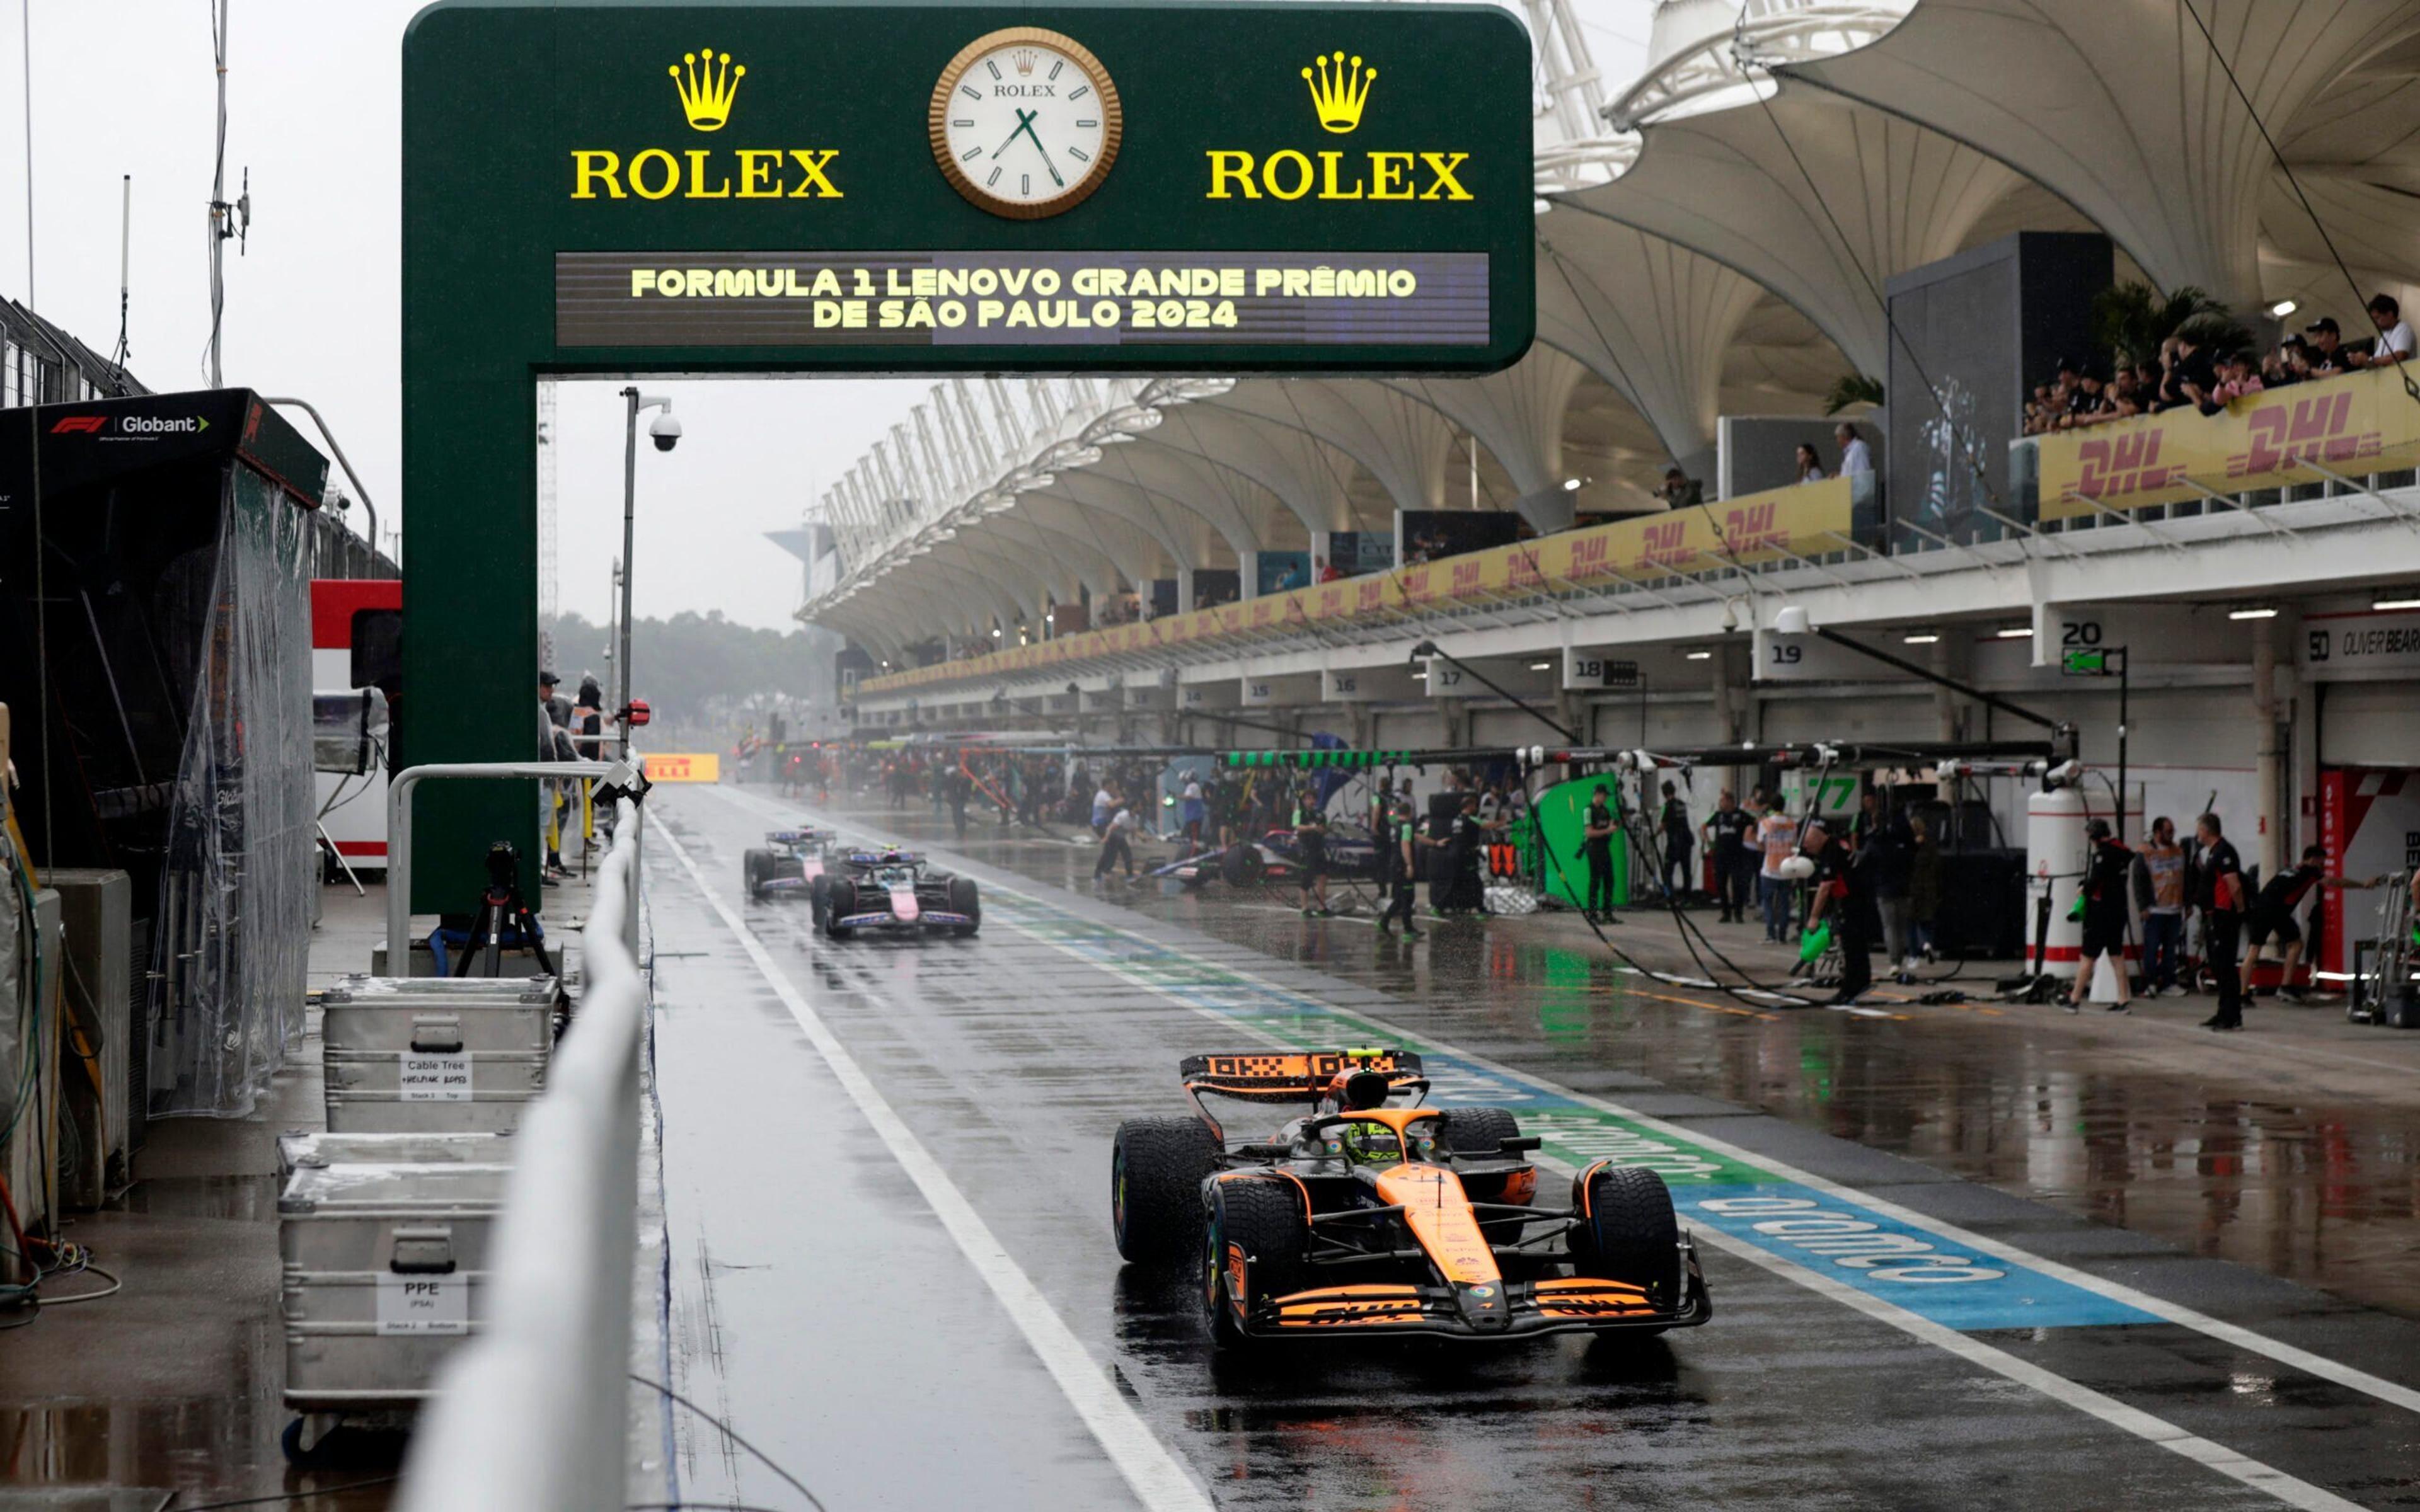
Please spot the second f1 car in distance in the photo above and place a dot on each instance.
(1373, 1216)
(790, 860)
(896, 889)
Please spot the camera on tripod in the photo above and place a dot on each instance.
(503, 865)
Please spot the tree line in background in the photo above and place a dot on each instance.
(684, 662)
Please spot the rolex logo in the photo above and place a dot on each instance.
(708, 85)
(1023, 60)
(1338, 92)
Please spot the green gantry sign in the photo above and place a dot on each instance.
(620, 189)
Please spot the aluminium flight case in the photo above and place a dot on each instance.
(311, 1147)
(384, 1268)
(434, 1058)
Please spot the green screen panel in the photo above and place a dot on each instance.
(1562, 818)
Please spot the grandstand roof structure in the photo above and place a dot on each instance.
(1713, 240)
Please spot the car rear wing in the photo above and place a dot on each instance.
(1264, 1076)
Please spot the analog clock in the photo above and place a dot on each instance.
(1026, 122)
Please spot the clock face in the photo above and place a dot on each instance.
(1025, 122)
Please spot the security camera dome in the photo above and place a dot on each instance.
(666, 431)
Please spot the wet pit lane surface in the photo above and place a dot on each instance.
(839, 1307)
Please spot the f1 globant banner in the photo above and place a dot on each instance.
(771, 187)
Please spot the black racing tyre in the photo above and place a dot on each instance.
(1263, 1216)
(818, 898)
(1156, 1169)
(1627, 1231)
(840, 902)
(1242, 865)
(754, 866)
(965, 899)
(1479, 1130)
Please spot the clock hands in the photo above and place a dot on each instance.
(1025, 124)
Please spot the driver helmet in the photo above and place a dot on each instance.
(1373, 1144)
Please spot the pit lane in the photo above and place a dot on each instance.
(826, 1305)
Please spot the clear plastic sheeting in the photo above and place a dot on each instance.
(235, 910)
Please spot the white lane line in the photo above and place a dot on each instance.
(1159, 1480)
(2234, 1334)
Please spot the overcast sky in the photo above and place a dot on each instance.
(125, 86)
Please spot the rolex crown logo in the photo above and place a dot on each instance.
(1024, 58)
(1338, 92)
(707, 87)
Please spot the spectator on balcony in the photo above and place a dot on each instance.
(2166, 393)
(2088, 403)
(2040, 409)
(2196, 372)
(1326, 572)
(2393, 344)
(2330, 356)
(1855, 456)
(2235, 379)
(1681, 491)
(2125, 396)
(1810, 465)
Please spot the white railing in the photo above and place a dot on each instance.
(398, 831)
(532, 1413)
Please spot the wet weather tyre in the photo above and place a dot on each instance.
(1480, 1131)
(818, 898)
(1157, 1167)
(1263, 1216)
(1627, 1231)
(965, 900)
(840, 902)
(755, 866)
(1242, 865)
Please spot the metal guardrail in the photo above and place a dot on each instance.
(399, 832)
(532, 1413)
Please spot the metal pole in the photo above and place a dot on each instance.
(219, 232)
(630, 519)
(2125, 676)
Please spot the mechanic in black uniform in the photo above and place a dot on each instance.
(1676, 844)
(1466, 844)
(2107, 868)
(1728, 827)
(961, 788)
(2272, 912)
(1398, 840)
(1843, 894)
(1596, 849)
(1311, 834)
(2218, 893)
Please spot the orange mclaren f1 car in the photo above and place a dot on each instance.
(1374, 1215)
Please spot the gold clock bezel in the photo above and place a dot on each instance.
(1112, 123)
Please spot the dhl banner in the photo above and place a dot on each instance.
(701, 766)
(1806, 520)
(2358, 424)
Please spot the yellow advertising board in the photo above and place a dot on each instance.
(1805, 521)
(699, 766)
(2358, 424)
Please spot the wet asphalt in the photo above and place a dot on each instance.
(818, 1302)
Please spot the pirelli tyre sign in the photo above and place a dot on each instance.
(1256, 187)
